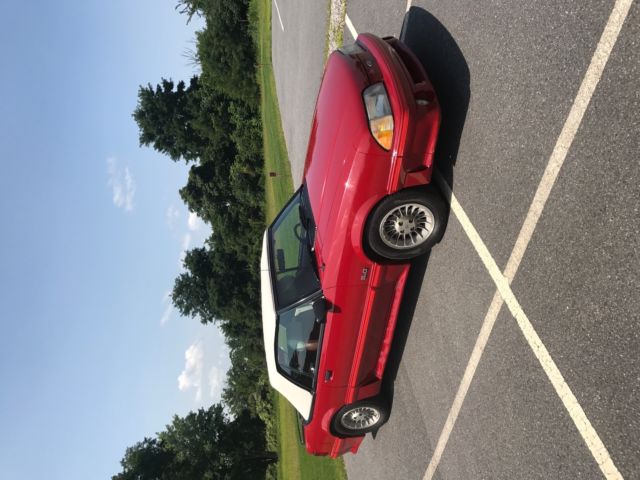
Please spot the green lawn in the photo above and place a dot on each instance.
(280, 187)
(294, 462)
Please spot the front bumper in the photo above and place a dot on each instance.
(415, 108)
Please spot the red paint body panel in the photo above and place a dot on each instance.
(347, 173)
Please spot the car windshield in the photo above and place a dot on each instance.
(293, 265)
(297, 343)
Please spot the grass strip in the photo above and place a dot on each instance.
(296, 462)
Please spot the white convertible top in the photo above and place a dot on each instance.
(300, 398)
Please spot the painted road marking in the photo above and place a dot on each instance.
(467, 377)
(572, 123)
(350, 26)
(279, 17)
(570, 402)
(502, 282)
(408, 5)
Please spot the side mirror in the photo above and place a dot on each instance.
(280, 260)
(320, 310)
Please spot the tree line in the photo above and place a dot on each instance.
(205, 445)
(213, 124)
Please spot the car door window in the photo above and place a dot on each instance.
(292, 260)
(297, 343)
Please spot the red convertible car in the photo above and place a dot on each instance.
(336, 258)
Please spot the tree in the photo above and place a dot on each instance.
(191, 7)
(226, 49)
(217, 285)
(206, 444)
(146, 460)
(213, 122)
(208, 190)
(167, 119)
(247, 388)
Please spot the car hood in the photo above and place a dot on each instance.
(300, 398)
(339, 129)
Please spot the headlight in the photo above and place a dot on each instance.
(379, 113)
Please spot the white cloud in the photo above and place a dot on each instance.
(196, 233)
(166, 315)
(194, 222)
(186, 241)
(172, 216)
(168, 309)
(191, 376)
(203, 375)
(215, 382)
(122, 184)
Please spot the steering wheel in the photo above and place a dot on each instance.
(297, 231)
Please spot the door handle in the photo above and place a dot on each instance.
(328, 375)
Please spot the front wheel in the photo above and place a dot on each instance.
(406, 225)
(360, 417)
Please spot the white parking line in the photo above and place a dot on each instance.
(572, 123)
(570, 402)
(408, 5)
(467, 377)
(569, 130)
(502, 282)
(279, 17)
(350, 26)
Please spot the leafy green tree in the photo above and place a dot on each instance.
(216, 285)
(213, 122)
(206, 444)
(191, 7)
(208, 189)
(166, 118)
(246, 385)
(146, 460)
(226, 50)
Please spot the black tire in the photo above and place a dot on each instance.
(431, 207)
(345, 421)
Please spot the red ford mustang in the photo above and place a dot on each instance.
(335, 260)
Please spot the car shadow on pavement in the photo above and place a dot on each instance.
(448, 71)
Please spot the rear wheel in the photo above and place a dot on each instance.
(406, 225)
(361, 417)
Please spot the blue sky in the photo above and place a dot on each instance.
(92, 356)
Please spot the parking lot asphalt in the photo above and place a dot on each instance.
(298, 57)
(507, 75)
